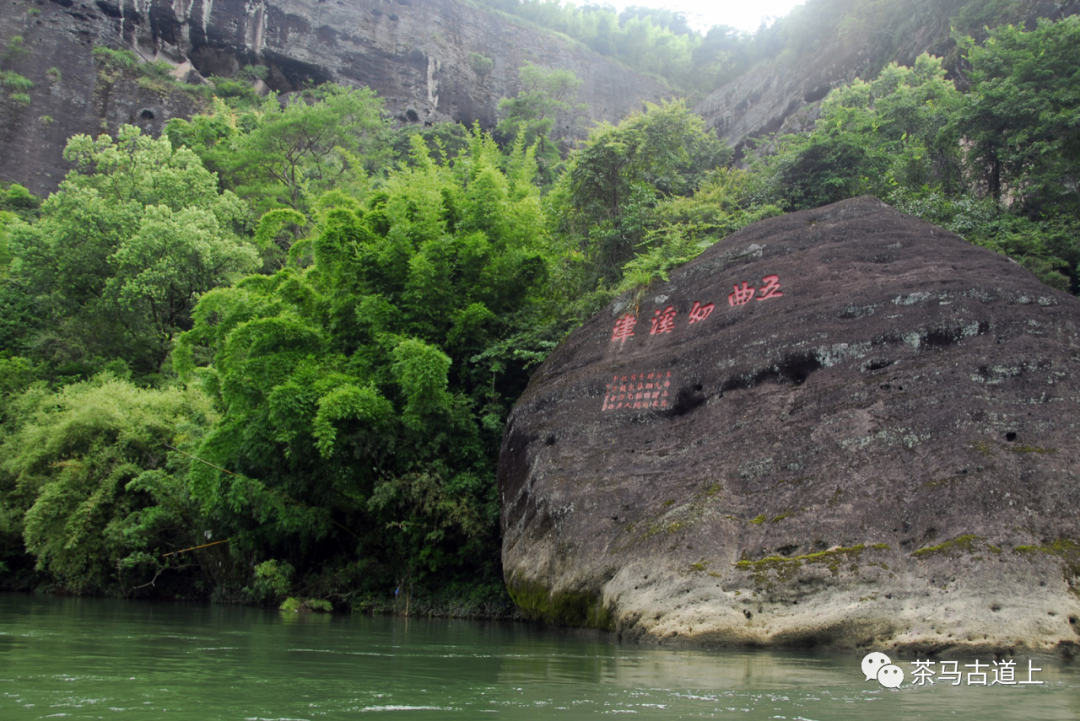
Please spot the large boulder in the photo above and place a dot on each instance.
(842, 428)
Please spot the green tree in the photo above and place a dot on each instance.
(364, 385)
(874, 137)
(605, 200)
(727, 200)
(6, 219)
(287, 154)
(824, 168)
(19, 201)
(530, 116)
(648, 40)
(1022, 114)
(125, 247)
(88, 480)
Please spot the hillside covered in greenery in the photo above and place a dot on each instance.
(662, 43)
(270, 354)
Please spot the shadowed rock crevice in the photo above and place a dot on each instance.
(687, 399)
(794, 369)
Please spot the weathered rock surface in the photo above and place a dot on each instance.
(68, 97)
(885, 455)
(428, 60)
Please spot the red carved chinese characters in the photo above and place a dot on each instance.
(700, 312)
(641, 391)
(663, 321)
(624, 328)
(741, 296)
(771, 289)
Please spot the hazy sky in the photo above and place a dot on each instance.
(703, 14)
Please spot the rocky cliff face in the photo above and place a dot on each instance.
(783, 96)
(430, 60)
(68, 96)
(842, 427)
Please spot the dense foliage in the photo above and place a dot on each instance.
(86, 481)
(268, 357)
(362, 390)
(278, 154)
(651, 41)
(997, 165)
(605, 202)
(124, 248)
(530, 116)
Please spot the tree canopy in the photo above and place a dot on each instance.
(125, 247)
(530, 116)
(613, 182)
(1024, 114)
(377, 342)
(285, 153)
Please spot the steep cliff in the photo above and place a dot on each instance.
(430, 60)
(782, 94)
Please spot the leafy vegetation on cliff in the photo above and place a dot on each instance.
(271, 354)
(662, 43)
(998, 165)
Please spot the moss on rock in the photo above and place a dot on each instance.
(562, 608)
(771, 570)
(968, 543)
(1069, 553)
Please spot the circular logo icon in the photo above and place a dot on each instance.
(874, 662)
(890, 676)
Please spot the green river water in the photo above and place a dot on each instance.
(102, 659)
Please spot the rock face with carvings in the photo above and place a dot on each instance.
(840, 428)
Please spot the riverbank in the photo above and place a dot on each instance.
(483, 601)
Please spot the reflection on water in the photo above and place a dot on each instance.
(91, 658)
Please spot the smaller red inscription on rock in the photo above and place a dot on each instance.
(624, 328)
(700, 312)
(771, 289)
(741, 296)
(644, 391)
(663, 321)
